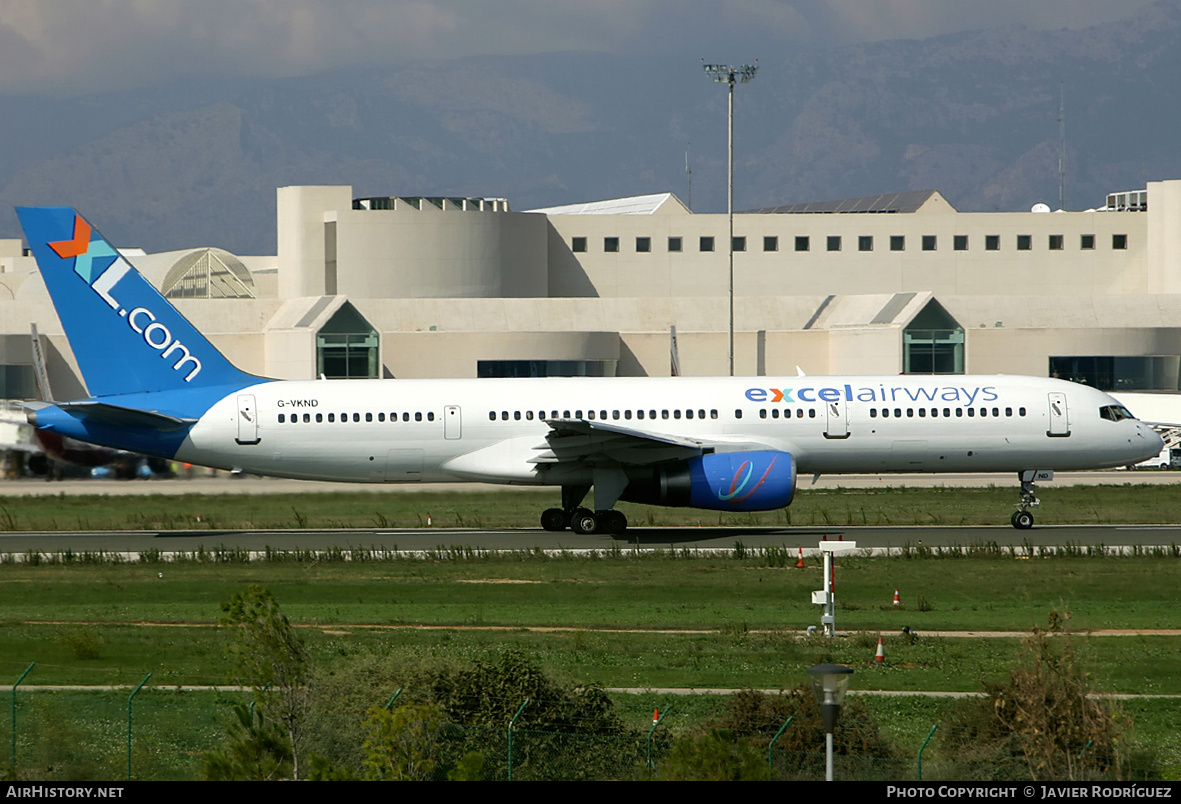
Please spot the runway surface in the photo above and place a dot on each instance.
(421, 539)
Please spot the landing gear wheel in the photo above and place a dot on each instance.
(1022, 520)
(584, 521)
(613, 522)
(554, 519)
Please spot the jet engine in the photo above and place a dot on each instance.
(722, 481)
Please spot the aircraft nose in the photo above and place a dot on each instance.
(1152, 437)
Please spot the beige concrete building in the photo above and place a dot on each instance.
(465, 287)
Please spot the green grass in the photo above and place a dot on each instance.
(735, 624)
(738, 627)
(520, 508)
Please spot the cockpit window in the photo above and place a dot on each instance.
(1115, 413)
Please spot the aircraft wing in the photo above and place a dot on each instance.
(579, 440)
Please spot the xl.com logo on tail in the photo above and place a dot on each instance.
(101, 268)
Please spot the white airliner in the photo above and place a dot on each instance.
(729, 444)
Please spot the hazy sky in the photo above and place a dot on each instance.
(66, 47)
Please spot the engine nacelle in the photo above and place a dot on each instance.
(721, 481)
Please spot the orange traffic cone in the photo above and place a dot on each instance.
(656, 715)
(897, 600)
(880, 656)
(800, 563)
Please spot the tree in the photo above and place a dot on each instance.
(257, 750)
(1042, 723)
(716, 756)
(270, 656)
(402, 745)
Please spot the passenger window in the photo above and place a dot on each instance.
(281, 418)
(417, 417)
(368, 417)
(737, 413)
(762, 413)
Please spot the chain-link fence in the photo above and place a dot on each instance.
(76, 735)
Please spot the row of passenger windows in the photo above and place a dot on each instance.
(355, 417)
(528, 415)
(946, 413)
(1022, 242)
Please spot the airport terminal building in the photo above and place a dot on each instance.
(467, 287)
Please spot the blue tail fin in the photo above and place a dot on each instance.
(125, 336)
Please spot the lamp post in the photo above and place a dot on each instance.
(830, 682)
(726, 74)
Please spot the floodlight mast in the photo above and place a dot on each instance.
(729, 75)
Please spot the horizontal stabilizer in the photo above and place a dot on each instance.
(104, 413)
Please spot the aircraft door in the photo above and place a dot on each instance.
(247, 420)
(452, 422)
(838, 420)
(1059, 416)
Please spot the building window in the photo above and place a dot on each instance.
(545, 368)
(1118, 373)
(346, 347)
(1055, 243)
(611, 245)
(933, 343)
(960, 243)
(833, 243)
(771, 243)
(707, 244)
(578, 245)
(643, 244)
(1024, 242)
(1119, 242)
(865, 243)
(928, 242)
(738, 244)
(1086, 242)
(803, 242)
(897, 242)
(992, 242)
(674, 244)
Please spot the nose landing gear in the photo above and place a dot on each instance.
(1022, 518)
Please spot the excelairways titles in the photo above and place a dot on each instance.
(882, 393)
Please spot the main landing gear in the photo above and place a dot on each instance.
(1022, 518)
(582, 520)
